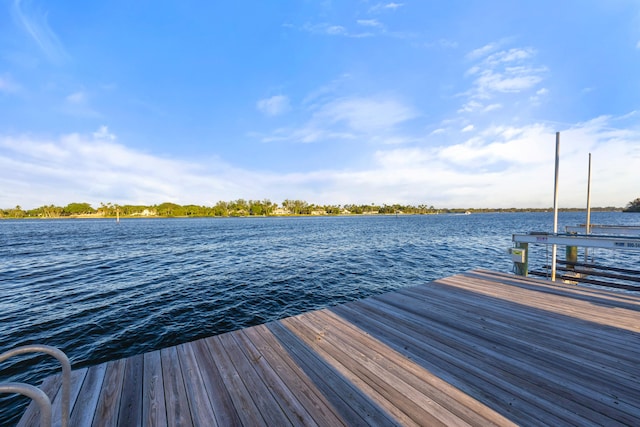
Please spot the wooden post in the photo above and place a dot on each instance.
(571, 255)
(522, 268)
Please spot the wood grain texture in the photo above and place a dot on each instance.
(479, 348)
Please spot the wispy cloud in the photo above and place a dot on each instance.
(497, 72)
(77, 104)
(35, 23)
(329, 29)
(482, 51)
(274, 106)
(347, 118)
(77, 98)
(369, 23)
(381, 7)
(39, 171)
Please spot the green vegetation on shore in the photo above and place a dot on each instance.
(633, 206)
(241, 208)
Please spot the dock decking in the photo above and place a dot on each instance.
(480, 348)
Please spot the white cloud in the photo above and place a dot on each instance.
(468, 128)
(369, 23)
(380, 7)
(482, 51)
(498, 72)
(474, 106)
(274, 106)
(499, 166)
(511, 55)
(470, 107)
(512, 79)
(366, 114)
(104, 134)
(537, 98)
(38, 171)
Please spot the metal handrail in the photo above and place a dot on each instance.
(35, 394)
(21, 388)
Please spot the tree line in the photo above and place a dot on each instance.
(633, 206)
(243, 208)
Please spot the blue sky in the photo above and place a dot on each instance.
(451, 104)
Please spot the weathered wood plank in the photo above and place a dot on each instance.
(282, 396)
(351, 403)
(223, 409)
(566, 340)
(131, 401)
(178, 412)
(85, 406)
(244, 405)
(109, 401)
(450, 331)
(624, 318)
(255, 386)
(201, 410)
(53, 385)
(489, 387)
(375, 387)
(543, 326)
(154, 412)
(293, 377)
(539, 370)
(444, 401)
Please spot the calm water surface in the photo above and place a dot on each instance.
(101, 291)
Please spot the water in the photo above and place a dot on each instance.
(102, 291)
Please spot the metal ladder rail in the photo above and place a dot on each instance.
(35, 393)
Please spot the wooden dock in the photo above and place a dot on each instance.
(480, 348)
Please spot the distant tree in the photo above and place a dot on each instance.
(77, 209)
(221, 209)
(17, 212)
(170, 209)
(238, 207)
(633, 206)
(107, 209)
(51, 211)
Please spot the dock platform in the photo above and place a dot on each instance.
(479, 348)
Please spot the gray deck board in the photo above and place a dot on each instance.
(479, 348)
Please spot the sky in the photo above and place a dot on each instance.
(450, 104)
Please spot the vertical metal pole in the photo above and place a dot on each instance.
(588, 224)
(554, 248)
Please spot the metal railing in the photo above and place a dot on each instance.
(35, 393)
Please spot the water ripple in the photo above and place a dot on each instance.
(101, 291)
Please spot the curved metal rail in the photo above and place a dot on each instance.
(35, 393)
